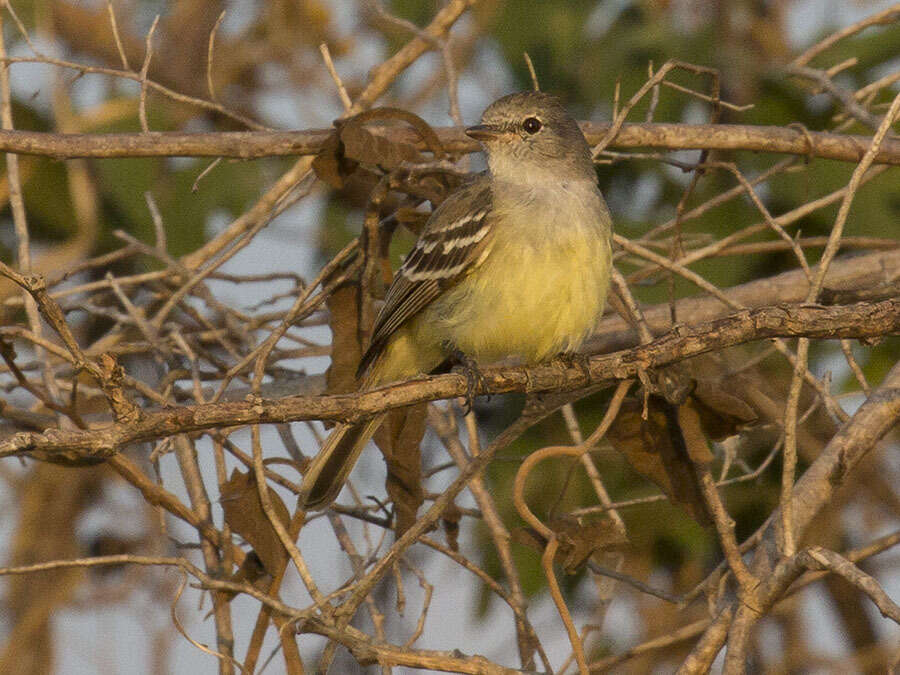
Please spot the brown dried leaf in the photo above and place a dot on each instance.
(426, 133)
(659, 449)
(674, 384)
(722, 414)
(346, 343)
(252, 572)
(450, 520)
(720, 399)
(692, 433)
(330, 164)
(362, 146)
(244, 513)
(399, 439)
(351, 144)
(578, 540)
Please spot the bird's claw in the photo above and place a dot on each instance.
(475, 380)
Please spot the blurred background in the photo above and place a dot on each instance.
(268, 72)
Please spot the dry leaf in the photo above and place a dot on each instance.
(330, 163)
(244, 514)
(426, 133)
(688, 406)
(365, 147)
(578, 540)
(399, 439)
(252, 572)
(722, 414)
(687, 420)
(722, 403)
(450, 520)
(350, 145)
(659, 449)
(346, 345)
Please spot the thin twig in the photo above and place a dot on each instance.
(210, 51)
(329, 64)
(145, 68)
(534, 79)
(114, 25)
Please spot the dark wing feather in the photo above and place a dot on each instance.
(448, 246)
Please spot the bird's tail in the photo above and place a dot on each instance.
(329, 470)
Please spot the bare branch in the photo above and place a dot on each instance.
(255, 144)
(854, 321)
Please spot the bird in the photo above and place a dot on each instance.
(516, 262)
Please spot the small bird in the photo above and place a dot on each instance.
(515, 262)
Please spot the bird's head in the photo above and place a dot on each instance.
(529, 136)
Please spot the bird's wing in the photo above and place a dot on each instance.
(446, 251)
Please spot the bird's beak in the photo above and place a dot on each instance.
(484, 132)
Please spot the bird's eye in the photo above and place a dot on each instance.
(532, 125)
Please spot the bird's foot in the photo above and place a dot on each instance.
(475, 379)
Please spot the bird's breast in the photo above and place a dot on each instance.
(542, 284)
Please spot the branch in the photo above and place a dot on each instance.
(381, 77)
(851, 278)
(862, 320)
(818, 558)
(255, 144)
(366, 652)
(813, 492)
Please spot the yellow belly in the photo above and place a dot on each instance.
(530, 301)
